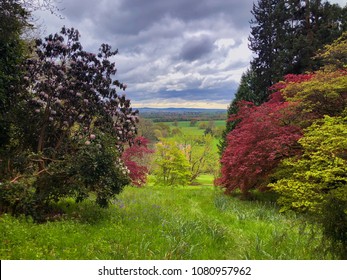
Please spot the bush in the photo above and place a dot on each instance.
(16, 197)
(316, 182)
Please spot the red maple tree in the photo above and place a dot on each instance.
(264, 135)
(135, 159)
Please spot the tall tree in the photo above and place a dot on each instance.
(13, 20)
(269, 27)
(318, 23)
(246, 92)
(285, 35)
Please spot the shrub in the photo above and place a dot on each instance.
(316, 182)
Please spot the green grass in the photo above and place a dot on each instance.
(195, 222)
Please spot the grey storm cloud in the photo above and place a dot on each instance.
(189, 50)
(196, 47)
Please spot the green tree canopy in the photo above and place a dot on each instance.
(171, 165)
(322, 169)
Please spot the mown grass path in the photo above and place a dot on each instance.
(195, 222)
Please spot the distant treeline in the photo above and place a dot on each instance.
(184, 115)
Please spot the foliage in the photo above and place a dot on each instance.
(76, 124)
(162, 130)
(324, 93)
(334, 55)
(320, 171)
(13, 21)
(263, 137)
(319, 177)
(146, 128)
(136, 159)
(94, 167)
(246, 92)
(285, 35)
(171, 165)
(199, 152)
(193, 122)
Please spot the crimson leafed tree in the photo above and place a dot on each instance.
(136, 159)
(263, 137)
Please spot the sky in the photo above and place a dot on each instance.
(172, 53)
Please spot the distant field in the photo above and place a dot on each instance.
(182, 114)
(194, 130)
(187, 123)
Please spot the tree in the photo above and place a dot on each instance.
(269, 29)
(202, 125)
(334, 55)
(264, 136)
(199, 152)
(246, 92)
(176, 131)
(13, 22)
(319, 23)
(324, 93)
(171, 165)
(164, 130)
(146, 129)
(318, 178)
(78, 127)
(193, 122)
(285, 35)
(315, 180)
(136, 159)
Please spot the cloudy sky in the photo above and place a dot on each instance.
(172, 53)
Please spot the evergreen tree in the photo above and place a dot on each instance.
(317, 24)
(245, 92)
(13, 20)
(285, 35)
(268, 30)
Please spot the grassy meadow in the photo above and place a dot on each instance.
(155, 222)
(158, 222)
